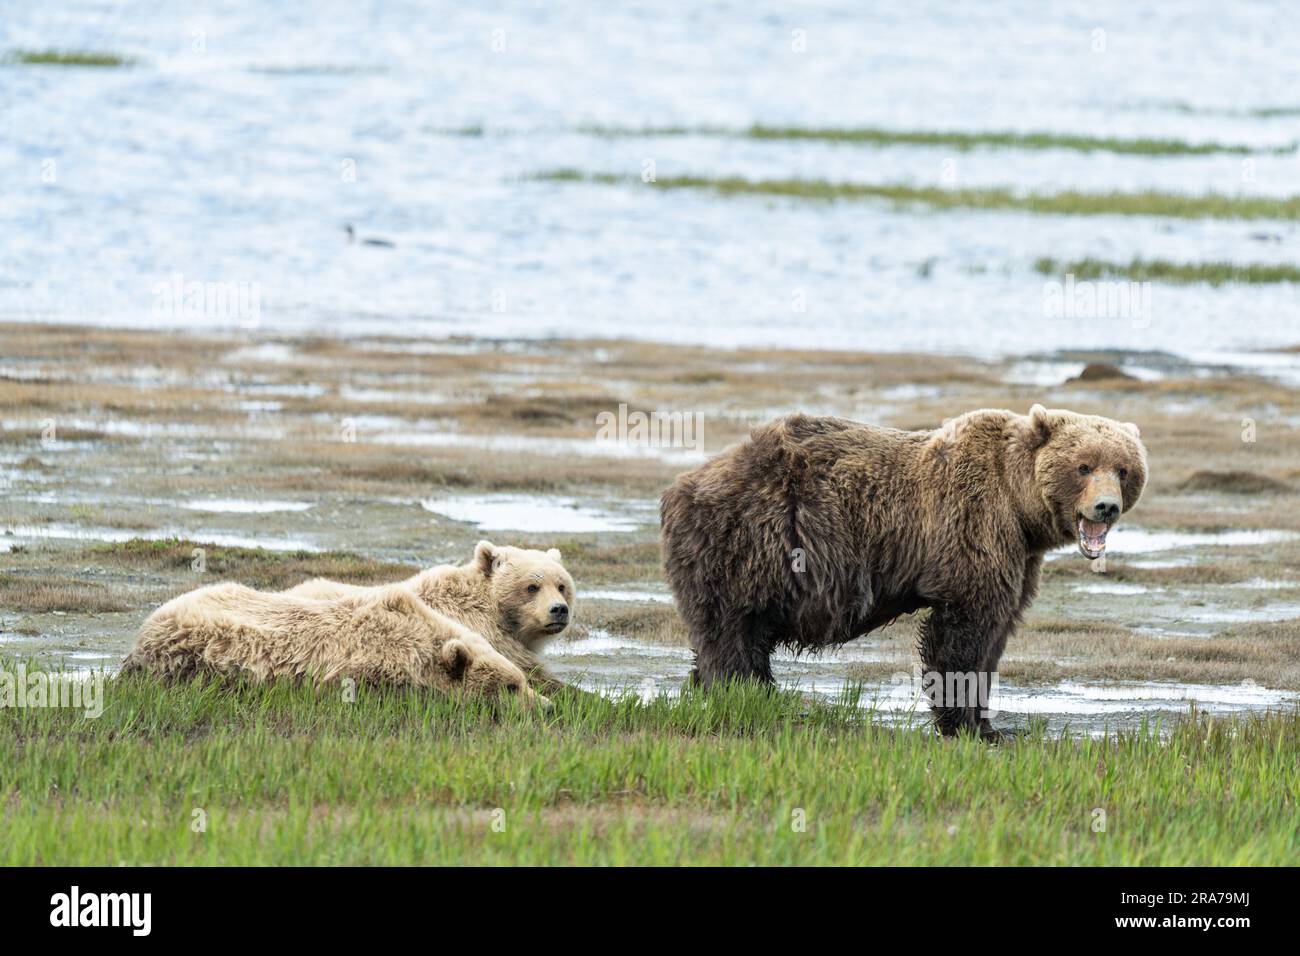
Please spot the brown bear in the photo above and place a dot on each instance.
(517, 598)
(387, 635)
(817, 530)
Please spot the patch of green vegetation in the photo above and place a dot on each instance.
(289, 774)
(43, 593)
(594, 562)
(700, 377)
(255, 567)
(951, 139)
(1234, 483)
(1258, 112)
(1161, 270)
(68, 58)
(658, 623)
(470, 131)
(23, 436)
(1069, 203)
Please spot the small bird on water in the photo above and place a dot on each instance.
(352, 237)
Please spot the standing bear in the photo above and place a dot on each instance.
(815, 531)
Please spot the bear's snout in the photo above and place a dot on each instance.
(560, 612)
(1106, 508)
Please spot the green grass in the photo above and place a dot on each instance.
(286, 775)
(1260, 112)
(473, 131)
(68, 58)
(1069, 203)
(1161, 270)
(952, 139)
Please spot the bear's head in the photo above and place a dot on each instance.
(533, 593)
(1089, 470)
(477, 669)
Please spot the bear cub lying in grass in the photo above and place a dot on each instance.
(476, 626)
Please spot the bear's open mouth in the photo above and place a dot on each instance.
(1092, 537)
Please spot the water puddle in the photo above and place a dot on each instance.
(276, 353)
(279, 389)
(1131, 539)
(245, 506)
(599, 643)
(616, 594)
(505, 512)
(382, 395)
(1109, 587)
(24, 534)
(1222, 614)
(616, 666)
(407, 433)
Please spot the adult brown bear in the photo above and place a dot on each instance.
(818, 530)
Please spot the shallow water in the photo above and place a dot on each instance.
(417, 434)
(244, 506)
(25, 534)
(1126, 540)
(615, 665)
(619, 594)
(541, 514)
(248, 134)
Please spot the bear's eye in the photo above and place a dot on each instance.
(561, 588)
(1123, 473)
(533, 589)
(1085, 470)
(513, 688)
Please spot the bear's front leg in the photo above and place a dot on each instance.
(960, 648)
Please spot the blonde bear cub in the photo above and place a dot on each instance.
(381, 635)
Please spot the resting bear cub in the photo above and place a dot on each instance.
(817, 530)
(517, 598)
(385, 636)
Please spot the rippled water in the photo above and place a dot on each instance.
(246, 135)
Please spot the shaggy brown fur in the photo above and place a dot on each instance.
(517, 598)
(818, 530)
(386, 636)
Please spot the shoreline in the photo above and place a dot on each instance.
(1266, 352)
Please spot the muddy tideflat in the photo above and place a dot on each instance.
(137, 465)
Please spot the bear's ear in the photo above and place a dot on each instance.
(1040, 426)
(553, 554)
(1133, 429)
(485, 557)
(457, 658)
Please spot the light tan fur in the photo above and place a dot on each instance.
(490, 595)
(383, 635)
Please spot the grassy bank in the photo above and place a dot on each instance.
(1069, 203)
(67, 58)
(1162, 270)
(950, 139)
(286, 775)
